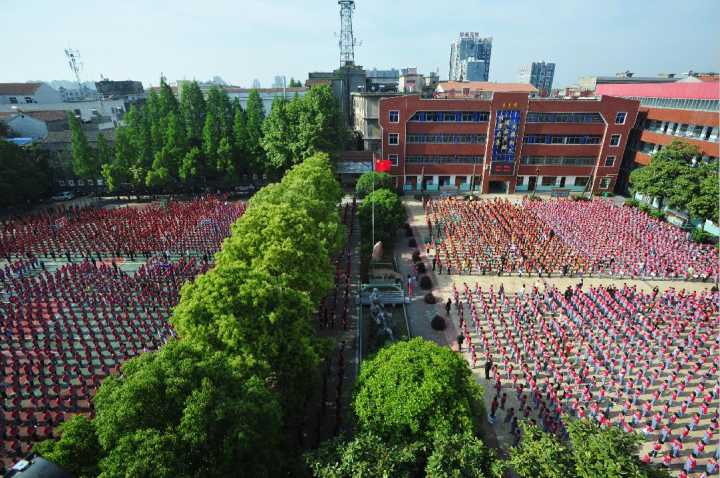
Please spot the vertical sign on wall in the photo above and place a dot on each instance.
(507, 123)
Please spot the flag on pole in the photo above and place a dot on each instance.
(383, 165)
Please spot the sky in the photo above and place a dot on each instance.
(241, 40)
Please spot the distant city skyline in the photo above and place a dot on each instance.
(260, 39)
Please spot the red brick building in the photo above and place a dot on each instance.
(670, 111)
(506, 142)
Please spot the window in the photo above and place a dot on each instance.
(394, 116)
(604, 183)
(582, 181)
(620, 117)
(615, 140)
(549, 180)
(28, 99)
(393, 139)
(697, 131)
(394, 159)
(13, 100)
(520, 180)
(609, 161)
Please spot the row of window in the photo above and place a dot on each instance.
(533, 117)
(561, 139)
(560, 160)
(448, 116)
(445, 138)
(704, 133)
(680, 103)
(436, 159)
(13, 100)
(580, 181)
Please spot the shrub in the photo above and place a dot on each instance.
(701, 237)
(421, 267)
(438, 323)
(426, 282)
(430, 298)
(416, 256)
(645, 208)
(632, 202)
(657, 214)
(579, 197)
(412, 242)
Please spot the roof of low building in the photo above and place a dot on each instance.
(47, 116)
(19, 88)
(696, 91)
(475, 86)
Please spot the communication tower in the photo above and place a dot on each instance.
(347, 38)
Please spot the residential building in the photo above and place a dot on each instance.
(540, 75)
(479, 89)
(411, 81)
(108, 113)
(35, 125)
(669, 111)
(470, 58)
(28, 94)
(508, 141)
(126, 89)
(366, 108)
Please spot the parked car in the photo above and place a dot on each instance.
(63, 196)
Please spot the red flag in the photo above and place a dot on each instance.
(383, 165)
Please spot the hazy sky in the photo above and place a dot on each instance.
(240, 40)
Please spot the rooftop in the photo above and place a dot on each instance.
(706, 90)
(479, 86)
(19, 88)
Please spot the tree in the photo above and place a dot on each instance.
(389, 214)
(294, 83)
(541, 455)
(461, 455)
(117, 171)
(192, 107)
(4, 130)
(240, 139)
(84, 161)
(77, 451)
(320, 123)
(190, 166)
(182, 408)
(364, 185)
(412, 391)
(255, 115)
(277, 136)
(657, 179)
(704, 203)
(24, 174)
(365, 455)
(104, 151)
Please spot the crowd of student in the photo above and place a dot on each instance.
(64, 331)
(644, 362)
(561, 237)
(625, 241)
(196, 227)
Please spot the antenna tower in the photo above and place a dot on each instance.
(73, 57)
(347, 39)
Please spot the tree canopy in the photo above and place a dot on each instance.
(365, 186)
(675, 180)
(24, 174)
(389, 214)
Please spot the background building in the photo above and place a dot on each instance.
(267, 95)
(478, 89)
(366, 116)
(382, 80)
(669, 111)
(470, 58)
(540, 75)
(28, 93)
(509, 142)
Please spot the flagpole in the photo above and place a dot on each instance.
(373, 204)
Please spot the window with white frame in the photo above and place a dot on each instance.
(620, 117)
(615, 140)
(605, 183)
(394, 159)
(609, 161)
(394, 116)
(13, 100)
(393, 139)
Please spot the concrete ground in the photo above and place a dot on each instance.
(420, 313)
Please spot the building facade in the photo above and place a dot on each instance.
(267, 95)
(685, 111)
(510, 142)
(470, 58)
(28, 94)
(366, 117)
(540, 75)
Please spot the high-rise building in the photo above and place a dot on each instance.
(540, 75)
(470, 58)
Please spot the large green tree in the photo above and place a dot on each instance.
(200, 412)
(385, 210)
(255, 116)
(192, 107)
(77, 451)
(24, 175)
(365, 186)
(84, 160)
